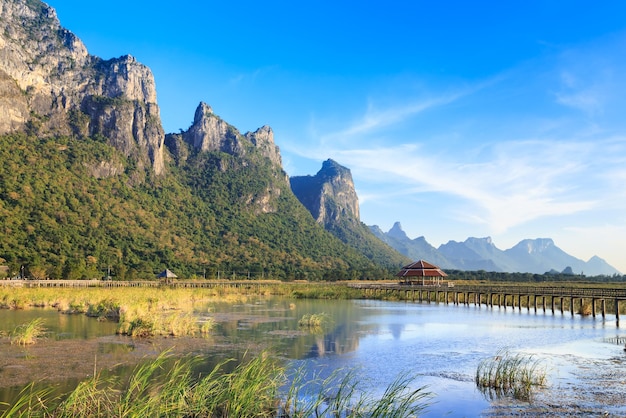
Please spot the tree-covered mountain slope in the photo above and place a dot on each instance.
(70, 209)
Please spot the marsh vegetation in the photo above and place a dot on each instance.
(373, 343)
(510, 374)
(28, 333)
(168, 386)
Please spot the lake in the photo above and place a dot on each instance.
(441, 345)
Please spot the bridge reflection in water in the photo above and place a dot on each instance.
(585, 301)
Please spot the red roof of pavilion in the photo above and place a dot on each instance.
(421, 268)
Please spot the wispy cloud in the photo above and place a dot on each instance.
(522, 181)
(375, 118)
(251, 76)
(545, 161)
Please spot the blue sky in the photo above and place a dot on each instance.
(458, 119)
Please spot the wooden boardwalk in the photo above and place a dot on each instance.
(595, 300)
(582, 300)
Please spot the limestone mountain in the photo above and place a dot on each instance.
(330, 195)
(414, 249)
(537, 256)
(51, 85)
(476, 254)
(209, 134)
(89, 180)
(331, 198)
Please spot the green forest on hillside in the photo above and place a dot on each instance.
(58, 220)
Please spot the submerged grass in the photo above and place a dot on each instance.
(509, 374)
(169, 387)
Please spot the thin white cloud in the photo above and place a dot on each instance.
(376, 119)
(520, 182)
(571, 165)
(251, 75)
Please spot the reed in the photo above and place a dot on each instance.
(105, 309)
(169, 387)
(31, 402)
(27, 334)
(585, 308)
(319, 322)
(339, 395)
(509, 374)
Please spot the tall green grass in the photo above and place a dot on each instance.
(169, 387)
(27, 334)
(508, 374)
(340, 395)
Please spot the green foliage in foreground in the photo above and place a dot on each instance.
(60, 217)
(169, 387)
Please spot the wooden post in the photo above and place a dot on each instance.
(593, 307)
(617, 311)
(603, 307)
(571, 305)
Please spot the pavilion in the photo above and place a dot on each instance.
(167, 275)
(428, 273)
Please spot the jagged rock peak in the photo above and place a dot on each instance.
(474, 240)
(263, 140)
(537, 245)
(209, 132)
(331, 168)
(71, 92)
(330, 195)
(202, 111)
(397, 232)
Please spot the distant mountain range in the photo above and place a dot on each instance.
(539, 255)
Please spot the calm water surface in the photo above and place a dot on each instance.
(441, 345)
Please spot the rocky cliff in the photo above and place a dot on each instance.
(331, 199)
(211, 134)
(330, 195)
(91, 129)
(49, 84)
